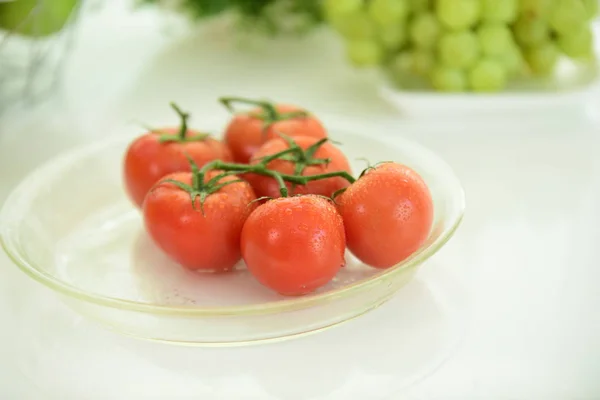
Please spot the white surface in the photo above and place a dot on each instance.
(522, 270)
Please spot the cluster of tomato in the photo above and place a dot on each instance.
(275, 193)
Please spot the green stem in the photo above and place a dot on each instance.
(282, 187)
(202, 189)
(300, 158)
(260, 169)
(267, 107)
(184, 120)
(293, 114)
(267, 159)
(197, 175)
(182, 135)
(303, 180)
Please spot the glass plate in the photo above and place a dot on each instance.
(70, 226)
(374, 357)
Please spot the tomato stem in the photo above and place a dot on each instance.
(302, 158)
(292, 115)
(184, 120)
(267, 107)
(182, 134)
(261, 169)
(267, 159)
(270, 113)
(295, 154)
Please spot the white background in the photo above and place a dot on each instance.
(508, 310)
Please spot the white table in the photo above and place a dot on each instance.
(507, 310)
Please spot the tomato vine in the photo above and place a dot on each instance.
(269, 114)
(295, 154)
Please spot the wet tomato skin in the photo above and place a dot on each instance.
(387, 213)
(197, 240)
(294, 245)
(265, 186)
(147, 159)
(245, 134)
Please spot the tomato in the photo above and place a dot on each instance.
(246, 132)
(158, 153)
(199, 237)
(265, 186)
(294, 245)
(387, 213)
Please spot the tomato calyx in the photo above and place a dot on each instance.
(372, 167)
(269, 114)
(182, 135)
(363, 172)
(199, 188)
(299, 157)
(338, 193)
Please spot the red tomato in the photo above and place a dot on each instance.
(148, 159)
(387, 213)
(294, 245)
(197, 240)
(265, 186)
(245, 133)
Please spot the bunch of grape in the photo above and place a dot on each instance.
(463, 45)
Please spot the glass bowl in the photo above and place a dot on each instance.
(70, 226)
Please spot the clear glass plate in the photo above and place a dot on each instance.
(70, 226)
(374, 357)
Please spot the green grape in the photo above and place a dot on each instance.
(487, 76)
(535, 8)
(447, 79)
(543, 58)
(577, 44)
(335, 8)
(354, 26)
(531, 31)
(419, 6)
(591, 6)
(458, 49)
(499, 11)
(422, 62)
(512, 60)
(415, 62)
(364, 53)
(393, 37)
(458, 14)
(400, 69)
(388, 12)
(402, 64)
(567, 16)
(494, 39)
(424, 31)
